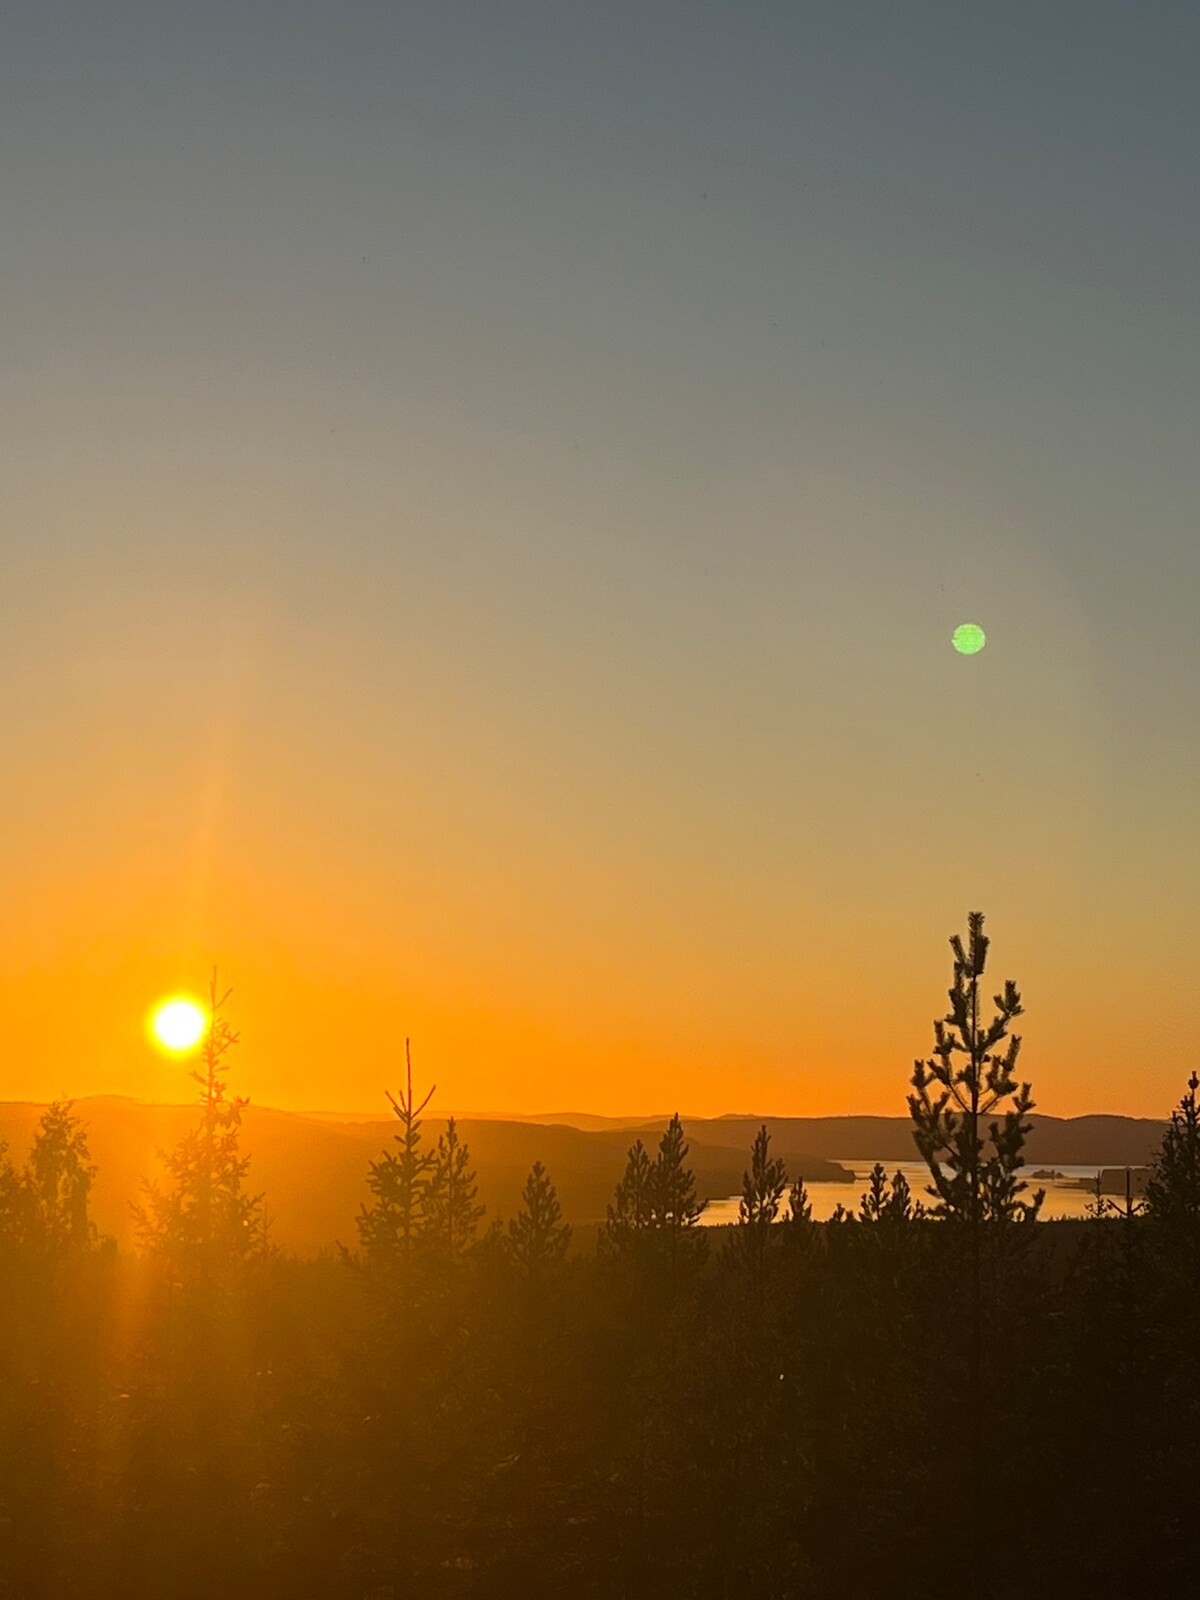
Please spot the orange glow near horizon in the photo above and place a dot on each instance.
(562, 923)
(625, 1001)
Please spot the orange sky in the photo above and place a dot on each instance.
(482, 518)
(610, 1017)
(625, 847)
(539, 961)
(703, 852)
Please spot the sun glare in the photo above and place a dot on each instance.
(177, 1025)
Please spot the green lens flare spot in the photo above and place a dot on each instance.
(969, 638)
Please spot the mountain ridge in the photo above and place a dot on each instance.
(313, 1170)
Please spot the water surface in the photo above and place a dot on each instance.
(1063, 1197)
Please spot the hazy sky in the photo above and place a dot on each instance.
(485, 493)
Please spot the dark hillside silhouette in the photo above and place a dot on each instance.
(314, 1171)
(1062, 1141)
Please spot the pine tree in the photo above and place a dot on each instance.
(873, 1202)
(1173, 1188)
(902, 1206)
(949, 1103)
(206, 1224)
(800, 1235)
(57, 1181)
(391, 1227)
(1162, 1376)
(888, 1204)
(628, 1219)
(1172, 1205)
(976, 1191)
(451, 1214)
(674, 1210)
(763, 1188)
(13, 1202)
(537, 1236)
(654, 1198)
(799, 1205)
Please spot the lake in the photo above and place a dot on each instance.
(1063, 1199)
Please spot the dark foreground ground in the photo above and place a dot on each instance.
(803, 1411)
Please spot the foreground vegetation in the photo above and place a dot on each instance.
(934, 1396)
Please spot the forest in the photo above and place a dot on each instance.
(937, 1394)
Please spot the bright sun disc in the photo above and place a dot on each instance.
(178, 1024)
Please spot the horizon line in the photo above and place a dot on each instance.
(624, 1118)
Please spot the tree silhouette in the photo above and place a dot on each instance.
(629, 1217)
(13, 1202)
(972, 1190)
(949, 1103)
(206, 1223)
(1172, 1213)
(390, 1228)
(655, 1200)
(57, 1181)
(763, 1188)
(674, 1209)
(799, 1205)
(1173, 1187)
(451, 1214)
(537, 1235)
(888, 1204)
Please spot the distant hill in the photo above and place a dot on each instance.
(1069, 1141)
(312, 1169)
(1062, 1141)
(586, 1120)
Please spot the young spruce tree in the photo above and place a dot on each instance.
(12, 1202)
(967, 1081)
(1173, 1188)
(968, 1089)
(763, 1189)
(57, 1182)
(674, 1209)
(655, 1204)
(537, 1236)
(391, 1226)
(1172, 1204)
(1168, 1340)
(451, 1214)
(628, 1218)
(206, 1224)
(799, 1211)
(886, 1204)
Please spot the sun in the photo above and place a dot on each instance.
(177, 1025)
